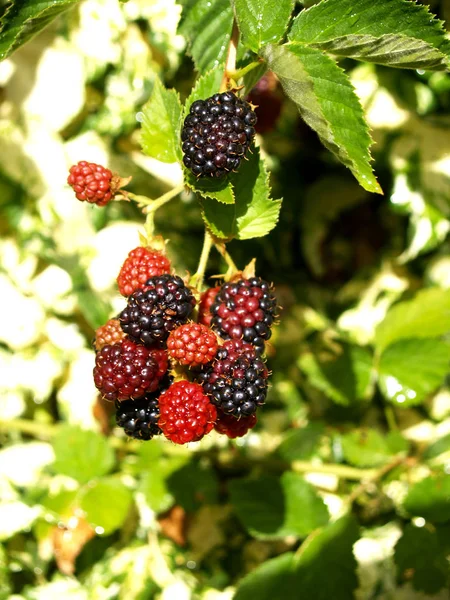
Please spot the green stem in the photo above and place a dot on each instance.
(197, 279)
(222, 250)
(241, 72)
(153, 205)
(390, 418)
(342, 471)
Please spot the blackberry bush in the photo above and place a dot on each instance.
(217, 134)
(236, 382)
(154, 311)
(245, 309)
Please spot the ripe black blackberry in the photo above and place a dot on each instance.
(236, 381)
(217, 134)
(245, 309)
(153, 312)
(139, 418)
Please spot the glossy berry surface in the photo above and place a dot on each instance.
(217, 134)
(109, 333)
(141, 264)
(91, 183)
(154, 311)
(125, 370)
(204, 307)
(236, 381)
(139, 418)
(245, 309)
(232, 427)
(186, 413)
(192, 345)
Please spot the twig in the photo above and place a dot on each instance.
(197, 278)
(222, 250)
(342, 471)
(377, 475)
(230, 63)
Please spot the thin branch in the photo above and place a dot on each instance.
(197, 278)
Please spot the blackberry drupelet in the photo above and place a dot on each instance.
(153, 312)
(139, 418)
(236, 381)
(245, 309)
(217, 134)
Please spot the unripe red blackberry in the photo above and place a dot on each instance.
(154, 311)
(125, 370)
(92, 183)
(192, 345)
(204, 308)
(236, 381)
(141, 264)
(245, 309)
(217, 134)
(108, 334)
(186, 414)
(232, 427)
(139, 418)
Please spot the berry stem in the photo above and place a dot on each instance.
(153, 205)
(197, 278)
(241, 72)
(222, 250)
(230, 63)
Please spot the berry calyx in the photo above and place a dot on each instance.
(154, 311)
(217, 134)
(125, 370)
(236, 381)
(108, 334)
(186, 414)
(204, 307)
(141, 264)
(192, 345)
(245, 309)
(92, 183)
(139, 418)
(232, 427)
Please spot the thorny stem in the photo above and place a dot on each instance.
(230, 63)
(197, 278)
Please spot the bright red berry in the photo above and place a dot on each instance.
(204, 308)
(91, 182)
(192, 344)
(186, 414)
(232, 427)
(108, 334)
(125, 370)
(141, 264)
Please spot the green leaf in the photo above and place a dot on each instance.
(272, 580)
(368, 448)
(438, 447)
(327, 102)
(23, 20)
(254, 213)
(326, 566)
(106, 503)
(426, 315)
(207, 24)
(81, 454)
(161, 124)
(344, 379)
(216, 189)
(262, 21)
(205, 87)
(430, 499)
(410, 370)
(154, 482)
(301, 443)
(389, 32)
(193, 485)
(270, 507)
(418, 553)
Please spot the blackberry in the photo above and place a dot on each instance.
(204, 307)
(236, 381)
(108, 334)
(125, 370)
(245, 309)
(216, 134)
(141, 264)
(232, 427)
(154, 311)
(192, 345)
(92, 183)
(139, 418)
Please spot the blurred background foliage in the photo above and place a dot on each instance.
(353, 445)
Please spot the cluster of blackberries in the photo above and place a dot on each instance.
(226, 379)
(216, 134)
